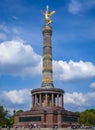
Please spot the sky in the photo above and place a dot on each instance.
(73, 51)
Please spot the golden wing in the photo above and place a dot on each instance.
(52, 12)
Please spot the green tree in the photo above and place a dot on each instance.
(20, 110)
(3, 117)
(87, 117)
(11, 120)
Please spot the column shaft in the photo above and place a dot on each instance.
(32, 100)
(57, 99)
(46, 98)
(40, 100)
(47, 79)
(35, 99)
(61, 101)
(52, 99)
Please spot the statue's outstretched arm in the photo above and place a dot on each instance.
(52, 12)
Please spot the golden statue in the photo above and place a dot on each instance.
(47, 15)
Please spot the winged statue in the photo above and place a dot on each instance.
(47, 15)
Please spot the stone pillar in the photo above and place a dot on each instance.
(61, 100)
(52, 99)
(35, 99)
(46, 99)
(32, 100)
(57, 99)
(40, 100)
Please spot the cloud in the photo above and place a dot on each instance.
(78, 6)
(72, 71)
(2, 36)
(4, 28)
(12, 31)
(89, 4)
(92, 85)
(74, 7)
(16, 99)
(15, 17)
(21, 99)
(17, 58)
(75, 98)
(15, 30)
(79, 101)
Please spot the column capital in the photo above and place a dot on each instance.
(47, 29)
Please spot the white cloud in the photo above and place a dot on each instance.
(17, 58)
(77, 6)
(79, 101)
(92, 85)
(15, 30)
(21, 99)
(74, 7)
(75, 99)
(2, 36)
(89, 3)
(15, 17)
(71, 70)
(4, 28)
(16, 99)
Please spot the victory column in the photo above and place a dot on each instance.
(47, 109)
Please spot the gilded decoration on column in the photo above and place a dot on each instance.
(47, 15)
(47, 80)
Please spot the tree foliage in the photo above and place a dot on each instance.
(3, 117)
(87, 117)
(20, 110)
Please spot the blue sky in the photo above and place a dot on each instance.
(73, 42)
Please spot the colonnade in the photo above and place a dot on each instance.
(47, 99)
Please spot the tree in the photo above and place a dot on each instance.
(3, 117)
(11, 120)
(87, 117)
(20, 110)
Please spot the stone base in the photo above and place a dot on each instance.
(47, 110)
(46, 118)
